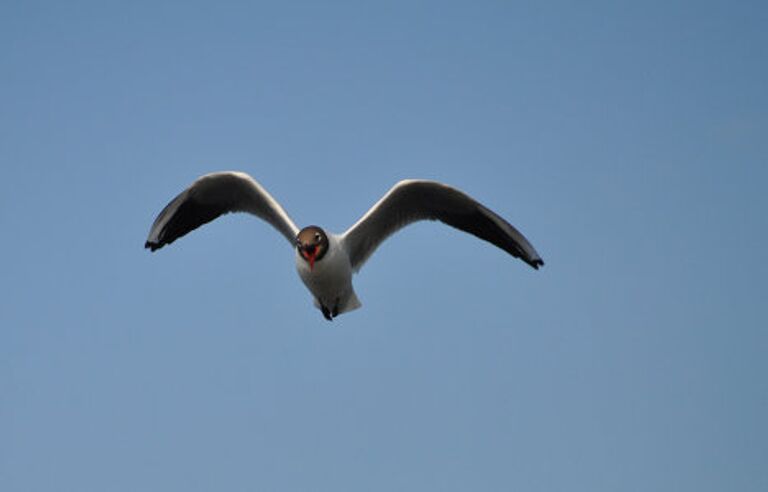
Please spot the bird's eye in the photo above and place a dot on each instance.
(317, 236)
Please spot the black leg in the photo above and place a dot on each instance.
(326, 313)
(335, 311)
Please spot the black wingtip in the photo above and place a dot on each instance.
(536, 263)
(152, 246)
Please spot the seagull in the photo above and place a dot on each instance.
(325, 261)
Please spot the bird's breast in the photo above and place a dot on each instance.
(330, 276)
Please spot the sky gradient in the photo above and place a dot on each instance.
(628, 142)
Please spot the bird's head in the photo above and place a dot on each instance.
(312, 244)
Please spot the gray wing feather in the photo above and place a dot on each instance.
(213, 195)
(413, 200)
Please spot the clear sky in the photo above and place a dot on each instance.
(627, 140)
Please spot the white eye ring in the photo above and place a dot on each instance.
(317, 236)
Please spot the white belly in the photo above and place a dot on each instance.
(330, 281)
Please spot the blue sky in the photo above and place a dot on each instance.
(628, 141)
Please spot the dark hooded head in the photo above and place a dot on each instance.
(312, 244)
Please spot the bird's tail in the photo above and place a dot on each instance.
(351, 303)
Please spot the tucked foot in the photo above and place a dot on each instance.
(335, 311)
(327, 313)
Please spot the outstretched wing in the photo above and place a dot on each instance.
(213, 195)
(412, 200)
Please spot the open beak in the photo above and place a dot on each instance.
(310, 253)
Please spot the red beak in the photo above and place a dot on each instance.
(310, 253)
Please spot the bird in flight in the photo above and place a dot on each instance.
(325, 261)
